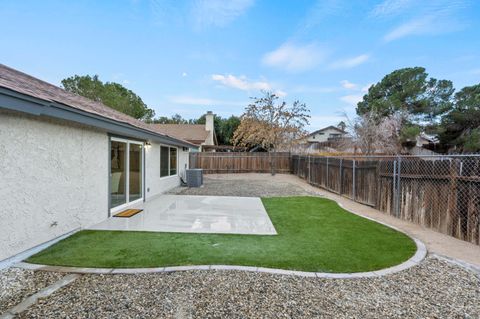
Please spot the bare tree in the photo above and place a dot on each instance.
(370, 134)
(271, 124)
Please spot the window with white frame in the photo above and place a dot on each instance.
(173, 161)
(168, 161)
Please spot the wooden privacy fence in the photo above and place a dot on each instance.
(439, 192)
(224, 163)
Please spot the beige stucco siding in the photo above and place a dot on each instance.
(54, 179)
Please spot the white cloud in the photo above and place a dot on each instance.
(413, 27)
(319, 11)
(350, 62)
(430, 18)
(190, 100)
(348, 85)
(295, 58)
(241, 82)
(184, 74)
(351, 99)
(218, 12)
(354, 87)
(390, 8)
(244, 84)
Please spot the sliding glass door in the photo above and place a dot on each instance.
(118, 173)
(135, 171)
(126, 172)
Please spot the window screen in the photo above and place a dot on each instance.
(173, 161)
(163, 161)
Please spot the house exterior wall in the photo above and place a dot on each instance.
(154, 184)
(322, 136)
(54, 179)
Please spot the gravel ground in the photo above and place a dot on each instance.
(433, 289)
(17, 284)
(239, 187)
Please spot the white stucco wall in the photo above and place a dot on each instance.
(154, 184)
(53, 179)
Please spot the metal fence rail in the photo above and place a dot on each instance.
(438, 192)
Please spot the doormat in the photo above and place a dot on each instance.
(128, 213)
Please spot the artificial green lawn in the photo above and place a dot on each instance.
(314, 234)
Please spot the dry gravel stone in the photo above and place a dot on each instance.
(433, 289)
(16, 284)
(238, 187)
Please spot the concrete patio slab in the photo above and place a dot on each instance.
(197, 214)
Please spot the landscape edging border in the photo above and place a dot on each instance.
(419, 255)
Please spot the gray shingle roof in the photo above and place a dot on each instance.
(20, 82)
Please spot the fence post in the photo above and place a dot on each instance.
(298, 166)
(379, 182)
(341, 176)
(399, 188)
(326, 185)
(457, 204)
(309, 170)
(353, 179)
(394, 187)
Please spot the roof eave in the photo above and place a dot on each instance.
(326, 128)
(20, 102)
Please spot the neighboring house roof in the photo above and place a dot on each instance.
(194, 133)
(432, 138)
(331, 127)
(54, 100)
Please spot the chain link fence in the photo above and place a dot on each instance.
(438, 192)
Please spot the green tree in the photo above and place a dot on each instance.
(227, 129)
(224, 128)
(111, 94)
(175, 119)
(408, 90)
(461, 127)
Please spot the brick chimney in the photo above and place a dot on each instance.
(209, 126)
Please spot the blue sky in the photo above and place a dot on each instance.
(188, 57)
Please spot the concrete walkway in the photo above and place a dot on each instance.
(436, 243)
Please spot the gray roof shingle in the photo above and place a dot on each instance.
(20, 82)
